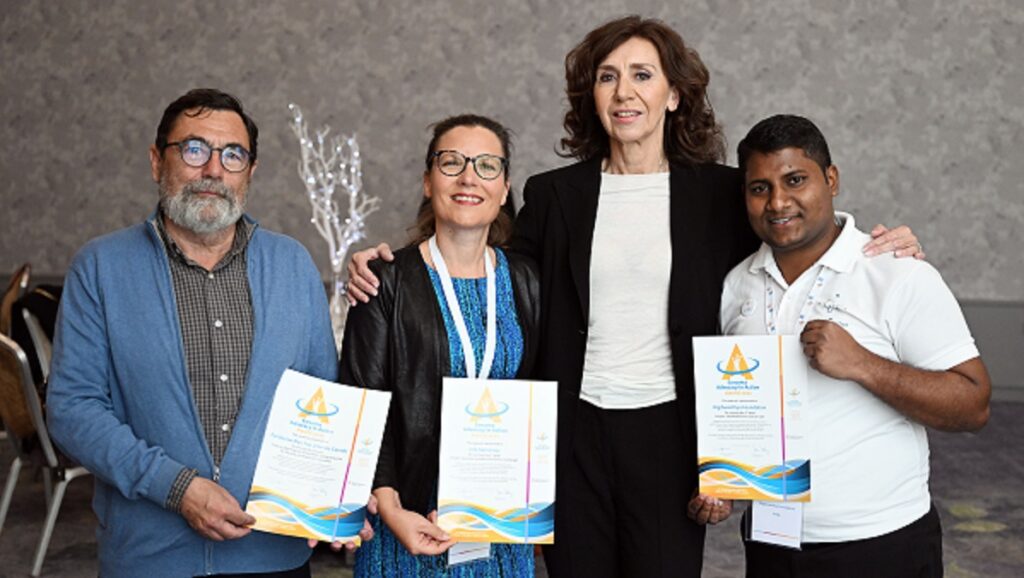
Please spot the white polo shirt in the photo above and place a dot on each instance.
(869, 463)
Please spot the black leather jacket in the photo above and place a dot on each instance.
(398, 343)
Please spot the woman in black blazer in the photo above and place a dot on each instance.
(627, 470)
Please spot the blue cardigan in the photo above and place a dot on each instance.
(120, 401)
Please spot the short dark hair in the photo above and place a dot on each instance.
(692, 134)
(501, 229)
(202, 100)
(784, 131)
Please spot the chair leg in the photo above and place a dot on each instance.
(51, 521)
(12, 480)
(47, 475)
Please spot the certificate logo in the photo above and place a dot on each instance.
(316, 407)
(542, 442)
(486, 408)
(737, 365)
(794, 397)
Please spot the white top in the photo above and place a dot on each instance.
(628, 361)
(869, 463)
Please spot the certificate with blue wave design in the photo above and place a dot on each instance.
(318, 458)
(751, 395)
(497, 460)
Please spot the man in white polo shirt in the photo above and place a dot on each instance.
(890, 351)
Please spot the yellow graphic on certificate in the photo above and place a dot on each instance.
(316, 407)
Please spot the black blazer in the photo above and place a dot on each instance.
(398, 343)
(710, 235)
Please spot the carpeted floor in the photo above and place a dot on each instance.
(977, 483)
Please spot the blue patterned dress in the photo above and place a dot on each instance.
(385, 555)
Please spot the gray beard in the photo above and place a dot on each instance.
(202, 216)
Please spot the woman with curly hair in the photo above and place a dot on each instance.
(633, 243)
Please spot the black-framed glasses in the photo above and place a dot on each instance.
(452, 163)
(195, 152)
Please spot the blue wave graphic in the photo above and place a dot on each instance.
(344, 520)
(521, 524)
(795, 475)
(504, 408)
(740, 371)
(334, 409)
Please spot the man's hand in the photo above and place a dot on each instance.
(952, 400)
(833, 351)
(900, 241)
(213, 512)
(708, 510)
(362, 283)
(366, 534)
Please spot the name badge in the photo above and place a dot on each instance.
(778, 523)
(463, 552)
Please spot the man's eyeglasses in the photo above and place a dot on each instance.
(197, 152)
(452, 163)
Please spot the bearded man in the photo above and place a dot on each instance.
(171, 339)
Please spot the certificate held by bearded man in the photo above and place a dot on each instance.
(318, 458)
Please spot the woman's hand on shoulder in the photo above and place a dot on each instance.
(362, 283)
(900, 241)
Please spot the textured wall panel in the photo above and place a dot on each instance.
(922, 102)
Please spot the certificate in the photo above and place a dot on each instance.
(318, 459)
(752, 404)
(497, 460)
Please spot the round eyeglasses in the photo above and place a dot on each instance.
(197, 152)
(452, 163)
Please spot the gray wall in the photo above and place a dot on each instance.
(922, 102)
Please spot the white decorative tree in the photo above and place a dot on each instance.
(327, 163)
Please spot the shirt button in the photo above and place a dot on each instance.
(218, 324)
(223, 377)
(209, 275)
(225, 427)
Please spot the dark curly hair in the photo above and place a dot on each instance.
(692, 135)
(500, 232)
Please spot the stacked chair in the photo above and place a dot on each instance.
(21, 409)
(15, 289)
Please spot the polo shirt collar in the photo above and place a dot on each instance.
(847, 248)
(840, 257)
